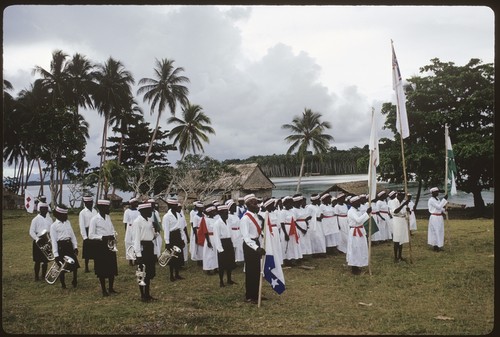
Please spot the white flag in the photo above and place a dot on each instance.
(452, 168)
(272, 268)
(374, 158)
(397, 85)
(29, 201)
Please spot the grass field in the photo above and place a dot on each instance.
(446, 293)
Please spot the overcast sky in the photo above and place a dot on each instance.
(253, 68)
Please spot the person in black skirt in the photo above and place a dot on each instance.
(84, 217)
(223, 243)
(144, 234)
(39, 225)
(102, 232)
(64, 243)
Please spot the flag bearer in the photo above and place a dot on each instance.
(435, 234)
(399, 210)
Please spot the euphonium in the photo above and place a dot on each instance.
(43, 242)
(167, 255)
(56, 269)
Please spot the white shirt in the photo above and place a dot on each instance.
(38, 224)
(59, 231)
(130, 215)
(170, 223)
(436, 206)
(221, 231)
(84, 220)
(143, 231)
(248, 229)
(100, 227)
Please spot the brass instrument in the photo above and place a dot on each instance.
(45, 244)
(112, 244)
(167, 255)
(140, 273)
(56, 269)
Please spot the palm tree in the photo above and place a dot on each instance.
(112, 95)
(55, 79)
(80, 80)
(190, 132)
(307, 130)
(163, 91)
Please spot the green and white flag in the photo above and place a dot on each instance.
(452, 167)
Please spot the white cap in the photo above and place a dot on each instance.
(326, 195)
(199, 204)
(269, 202)
(229, 202)
(172, 201)
(297, 198)
(151, 200)
(249, 197)
(144, 205)
(380, 193)
(222, 208)
(315, 197)
(434, 189)
(391, 193)
(43, 204)
(133, 200)
(355, 198)
(61, 210)
(103, 202)
(209, 209)
(87, 198)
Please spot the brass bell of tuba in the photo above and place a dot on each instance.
(140, 274)
(43, 242)
(167, 255)
(56, 269)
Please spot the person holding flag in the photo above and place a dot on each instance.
(357, 245)
(251, 227)
(400, 211)
(435, 231)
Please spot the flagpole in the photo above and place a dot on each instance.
(398, 109)
(370, 172)
(446, 135)
(262, 259)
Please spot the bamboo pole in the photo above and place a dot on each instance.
(404, 175)
(370, 172)
(446, 182)
(262, 259)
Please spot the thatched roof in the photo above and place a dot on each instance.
(354, 187)
(250, 177)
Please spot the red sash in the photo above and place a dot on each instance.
(293, 230)
(202, 230)
(357, 231)
(259, 230)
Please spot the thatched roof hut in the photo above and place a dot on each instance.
(354, 187)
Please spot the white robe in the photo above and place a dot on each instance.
(340, 212)
(399, 222)
(210, 260)
(357, 245)
(291, 249)
(318, 240)
(234, 222)
(330, 226)
(435, 234)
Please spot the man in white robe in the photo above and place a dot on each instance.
(357, 245)
(435, 234)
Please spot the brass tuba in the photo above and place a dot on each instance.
(56, 269)
(43, 242)
(167, 255)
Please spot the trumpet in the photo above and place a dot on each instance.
(112, 244)
(43, 242)
(56, 269)
(167, 255)
(130, 253)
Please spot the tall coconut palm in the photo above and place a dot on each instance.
(307, 131)
(161, 92)
(112, 94)
(55, 79)
(192, 130)
(80, 81)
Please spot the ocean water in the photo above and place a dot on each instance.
(310, 185)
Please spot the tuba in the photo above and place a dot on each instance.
(167, 255)
(112, 244)
(43, 242)
(56, 269)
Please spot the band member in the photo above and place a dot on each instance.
(234, 223)
(173, 229)
(86, 214)
(155, 220)
(399, 210)
(251, 229)
(102, 231)
(129, 216)
(224, 245)
(357, 245)
(196, 249)
(144, 234)
(64, 243)
(435, 234)
(39, 224)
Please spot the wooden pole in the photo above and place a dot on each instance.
(446, 181)
(262, 259)
(370, 172)
(404, 174)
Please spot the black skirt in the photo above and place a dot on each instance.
(149, 258)
(176, 240)
(105, 263)
(90, 247)
(38, 256)
(65, 248)
(226, 259)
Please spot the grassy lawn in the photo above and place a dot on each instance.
(446, 293)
